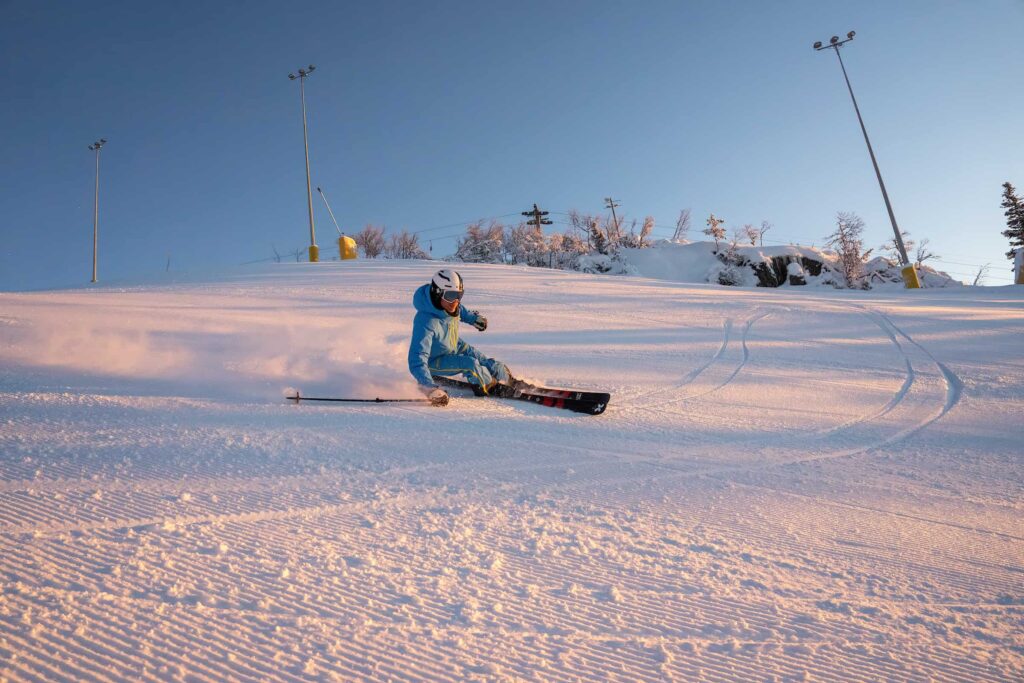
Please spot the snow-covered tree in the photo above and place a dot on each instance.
(566, 249)
(715, 229)
(751, 233)
(526, 244)
(848, 243)
(1014, 219)
(646, 230)
(371, 240)
(598, 238)
(480, 244)
(731, 272)
(635, 240)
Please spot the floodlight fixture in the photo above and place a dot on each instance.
(850, 35)
(834, 39)
(817, 45)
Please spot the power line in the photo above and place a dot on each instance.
(455, 225)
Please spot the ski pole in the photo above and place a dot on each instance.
(298, 397)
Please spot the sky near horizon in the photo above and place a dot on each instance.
(424, 116)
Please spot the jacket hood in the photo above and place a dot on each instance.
(422, 303)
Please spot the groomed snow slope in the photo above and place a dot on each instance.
(788, 485)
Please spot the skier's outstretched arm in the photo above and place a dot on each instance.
(474, 318)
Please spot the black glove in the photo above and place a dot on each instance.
(481, 322)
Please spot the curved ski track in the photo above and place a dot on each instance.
(727, 326)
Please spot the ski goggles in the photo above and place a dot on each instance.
(451, 295)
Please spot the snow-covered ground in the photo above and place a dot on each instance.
(788, 485)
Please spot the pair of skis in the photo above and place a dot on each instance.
(586, 402)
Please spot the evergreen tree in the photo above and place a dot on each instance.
(1014, 219)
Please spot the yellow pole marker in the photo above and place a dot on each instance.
(910, 277)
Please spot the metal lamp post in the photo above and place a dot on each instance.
(909, 274)
(96, 205)
(314, 251)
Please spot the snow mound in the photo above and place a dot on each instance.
(749, 266)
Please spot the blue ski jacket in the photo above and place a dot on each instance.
(436, 334)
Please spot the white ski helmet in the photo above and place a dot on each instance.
(446, 284)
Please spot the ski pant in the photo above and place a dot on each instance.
(480, 371)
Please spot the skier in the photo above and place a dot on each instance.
(436, 348)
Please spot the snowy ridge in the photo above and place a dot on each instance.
(788, 485)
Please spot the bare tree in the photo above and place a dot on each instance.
(581, 223)
(979, 278)
(892, 251)
(682, 226)
(765, 227)
(848, 243)
(404, 246)
(923, 254)
(371, 240)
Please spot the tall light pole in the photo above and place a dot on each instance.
(96, 205)
(909, 274)
(610, 203)
(314, 251)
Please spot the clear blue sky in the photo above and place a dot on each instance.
(424, 114)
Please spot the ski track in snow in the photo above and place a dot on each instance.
(810, 500)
